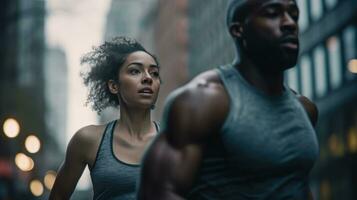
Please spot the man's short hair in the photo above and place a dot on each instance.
(235, 11)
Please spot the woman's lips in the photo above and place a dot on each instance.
(147, 92)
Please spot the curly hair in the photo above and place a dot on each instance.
(105, 62)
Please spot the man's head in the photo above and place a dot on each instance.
(265, 30)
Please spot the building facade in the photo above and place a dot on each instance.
(22, 99)
(124, 19)
(167, 23)
(209, 42)
(326, 73)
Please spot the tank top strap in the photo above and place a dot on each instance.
(231, 80)
(104, 147)
(232, 83)
(112, 178)
(108, 136)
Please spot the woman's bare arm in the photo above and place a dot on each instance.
(72, 167)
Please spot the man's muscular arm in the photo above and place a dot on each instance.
(172, 162)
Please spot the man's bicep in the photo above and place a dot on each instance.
(169, 171)
(172, 163)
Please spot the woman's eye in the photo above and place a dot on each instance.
(134, 71)
(155, 74)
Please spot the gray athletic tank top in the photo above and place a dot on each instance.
(265, 149)
(113, 179)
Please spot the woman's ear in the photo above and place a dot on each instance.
(236, 30)
(113, 86)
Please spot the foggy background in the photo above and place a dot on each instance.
(42, 95)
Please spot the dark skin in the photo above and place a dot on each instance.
(173, 161)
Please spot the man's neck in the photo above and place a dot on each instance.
(264, 78)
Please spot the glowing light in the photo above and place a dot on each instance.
(11, 128)
(24, 162)
(336, 146)
(332, 43)
(49, 179)
(325, 189)
(36, 188)
(352, 66)
(352, 140)
(32, 144)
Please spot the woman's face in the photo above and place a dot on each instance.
(139, 80)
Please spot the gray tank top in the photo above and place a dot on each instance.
(265, 149)
(113, 179)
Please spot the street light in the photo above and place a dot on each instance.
(352, 140)
(352, 66)
(49, 179)
(24, 162)
(11, 127)
(32, 144)
(36, 188)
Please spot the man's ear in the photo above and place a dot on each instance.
(113, 86)
(236, 30)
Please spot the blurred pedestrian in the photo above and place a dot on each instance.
(122, 74)
(238, 132)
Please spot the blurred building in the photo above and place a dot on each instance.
(326, 73)
(22, 92)
(123, 19)
(161, 27)
(166, 27)
(209, 42)
(56, 90)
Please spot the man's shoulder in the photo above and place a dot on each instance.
(203, 90)
(211, 76)
(202, 103)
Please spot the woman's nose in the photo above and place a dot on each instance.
(147, 79)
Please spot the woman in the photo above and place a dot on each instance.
(122, 73)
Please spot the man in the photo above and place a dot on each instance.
(237, 132)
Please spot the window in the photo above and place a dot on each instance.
(320, 71)
(349, 38)
(331, 3)
(349, 41)
(292, 79)
(305, 64)
(334, 55)
(316, 9)
(304, 16)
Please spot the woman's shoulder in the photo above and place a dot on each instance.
(89, 134)
(85, 142)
